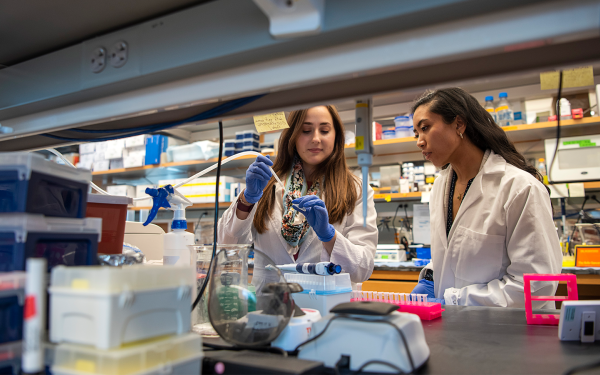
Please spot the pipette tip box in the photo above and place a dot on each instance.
(107, 307)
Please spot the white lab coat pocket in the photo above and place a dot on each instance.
(477, 257)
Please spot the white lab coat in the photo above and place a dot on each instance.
(503, 229)
(354, 247)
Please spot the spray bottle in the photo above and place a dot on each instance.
(176, 242)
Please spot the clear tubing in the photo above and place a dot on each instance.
(212, 167)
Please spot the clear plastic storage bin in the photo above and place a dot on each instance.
(29, 183)
(173, 355)
(202, 150)
(404, 127)
(72, 242)
(107, 307)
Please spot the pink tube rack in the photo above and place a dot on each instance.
(409, 303)
(550, 319)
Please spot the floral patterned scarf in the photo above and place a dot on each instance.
(295, 188)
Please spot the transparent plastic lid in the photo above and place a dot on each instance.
(117, 279)
(128, 359)
(12, 280)
(23, 223)
(26, 162)
(322, 283)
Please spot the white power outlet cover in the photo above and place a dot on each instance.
(118, 54)
(98, 60)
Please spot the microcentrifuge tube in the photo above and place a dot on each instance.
(386, 296)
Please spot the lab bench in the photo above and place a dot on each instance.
(403, 279)
(466, 340)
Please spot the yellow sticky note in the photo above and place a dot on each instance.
(270, 122)
(388, 198)
(571, 78)
(359, 143)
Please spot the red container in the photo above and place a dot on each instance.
(113, 212)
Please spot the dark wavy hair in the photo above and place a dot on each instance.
(480, 126)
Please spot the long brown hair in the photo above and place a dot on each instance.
(338, 184)
(481, 128)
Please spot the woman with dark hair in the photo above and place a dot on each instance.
(312, 164)
(491, 217)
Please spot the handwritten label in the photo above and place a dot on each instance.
(571, 78)
(270, 122)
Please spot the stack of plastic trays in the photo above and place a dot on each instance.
(321, 292)
(123, 320)
(42, 213)
(407, 302)
(12, 300)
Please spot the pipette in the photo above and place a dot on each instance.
(364, 147)
(321, 268)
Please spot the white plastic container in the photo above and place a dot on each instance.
(404, 127)
(107, 307)
(297, 331)
(176, 251)
(173, 355)
(321, 293)
(202, 150)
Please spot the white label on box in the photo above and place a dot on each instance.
(132, 161)
(138, 140)
(102, 165)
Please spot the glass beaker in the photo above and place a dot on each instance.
(248, 304)
(200, 320)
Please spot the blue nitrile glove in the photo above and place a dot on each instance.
(436, 300)
(316, 214)
(257, 177)
(424, 287)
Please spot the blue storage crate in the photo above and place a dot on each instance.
(239, 144)
(71, 242)
(251, 143)
(252, 135)
(29, 183)
(10, 358)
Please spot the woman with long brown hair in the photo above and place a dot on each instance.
(490, 214)
(318, 216)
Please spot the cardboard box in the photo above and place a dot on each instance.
(140, 191)
(137, 141)
(116, 164)
(122, 190)
(135, 160)
(102, 165)
(114, 149)
(87, 148)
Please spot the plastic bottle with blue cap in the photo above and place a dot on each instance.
(176, 242)
(489, 106)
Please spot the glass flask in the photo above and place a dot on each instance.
(248, 304)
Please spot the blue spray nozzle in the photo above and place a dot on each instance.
(159, 199)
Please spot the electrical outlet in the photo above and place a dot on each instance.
(118, 54)
(98, 60)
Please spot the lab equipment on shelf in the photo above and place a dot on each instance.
(59, 240)
(404, 127)
(579, 321)
(12, 300)
(503, 112)
(202, 150)
(390, 253)
(107, 307)
(174, 355)
(10, 357)
(576, 159)
(490, 108)
(368, 332)
(32, 184)
(321, 293)
(321, 268)
(407, 302)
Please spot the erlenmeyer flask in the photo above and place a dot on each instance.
(247, 306)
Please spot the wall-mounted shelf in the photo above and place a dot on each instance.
(395, 197)
(386, 151)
